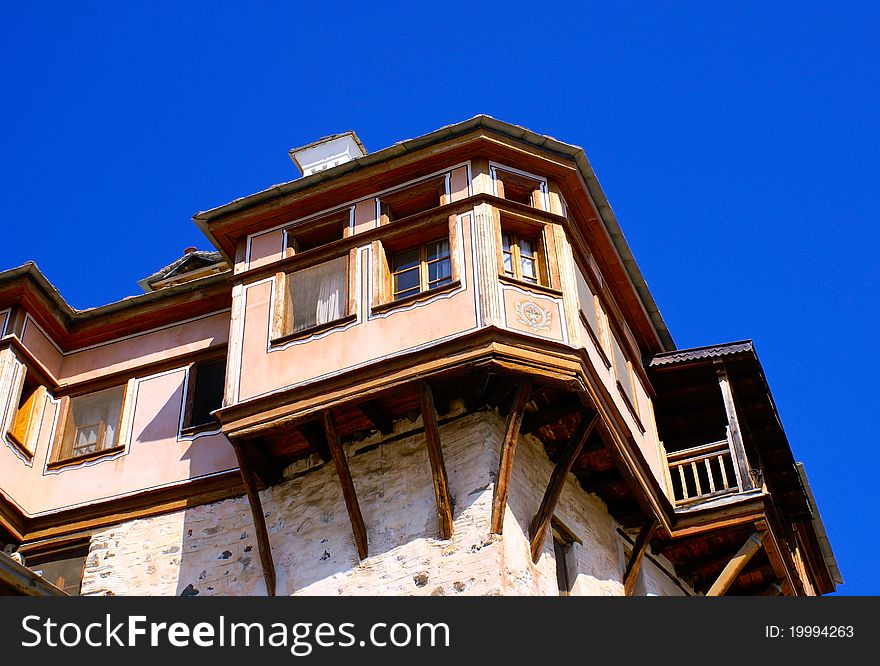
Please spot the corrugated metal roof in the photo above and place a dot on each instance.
(700, 353)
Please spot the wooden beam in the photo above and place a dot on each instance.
(314, 434)
(348, 492)
(739, 452)
(377, 416)
(737, 563)
(541, 521)
(266, 472)
(543, 417)
(508, 450)
(640, 547)
(264, 546)
(438, 468)
(773, 590)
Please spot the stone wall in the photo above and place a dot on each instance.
(212, 549)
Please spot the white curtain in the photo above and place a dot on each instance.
(318, 293)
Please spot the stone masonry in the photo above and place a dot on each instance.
(211, 550)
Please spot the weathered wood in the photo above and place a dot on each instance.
(541, 521)
(508, 450)
(266, 472)
(314, 434)
(377, 416)
(640, 547)
(739, 452)
(542, 417)
(348, 492)
(438, 467)
(264, 546)
(737, 563)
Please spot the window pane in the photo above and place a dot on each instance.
(529, 269)
(94, 420)
(587, 304)
(526, 247)
(439, 270)
(506, 241)
(406, 281)
(318, 293)
(508, 263)
(438, 250)
(404, 260)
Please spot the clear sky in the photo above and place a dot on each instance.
(737, 143)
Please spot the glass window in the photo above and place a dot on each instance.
(318, 294)
(421, 268)
(92, 423)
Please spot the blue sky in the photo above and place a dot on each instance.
(738, 145)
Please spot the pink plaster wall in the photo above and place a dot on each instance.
(370, 340)
(266, 248)
(177, 341)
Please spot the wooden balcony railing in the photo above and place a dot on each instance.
(703, 472)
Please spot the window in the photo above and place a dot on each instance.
(522, 250)
(623, 372)
(91, 424)
(420, 269)
(315, 296)
(315, 233)
(204, 393)
(520, 188)
(23, 418)
(413, 199)
(64, 569)
(520, 257)
(560, 552)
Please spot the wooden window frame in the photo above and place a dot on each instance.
(422, 268)
(600, 336)
(506, 179)
(392, 205)
(631, 402)
(541, 232)
(24, 438)
(66, 550)
(62, 458)
(421, 237)
(566, 541)
(188, 428)
(282, 322)
(320, 227)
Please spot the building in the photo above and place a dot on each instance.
(433, 369)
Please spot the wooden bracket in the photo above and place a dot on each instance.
(640, 547)
(438, 467)
(377, 416)
(348, 492)
(508, 450)
(541, 521)
(262, 533)
(737, 563)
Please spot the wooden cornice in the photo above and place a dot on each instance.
(72, 329)
(97, 515)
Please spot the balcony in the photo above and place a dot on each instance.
(704, 472)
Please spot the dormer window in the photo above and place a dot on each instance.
(413, 199)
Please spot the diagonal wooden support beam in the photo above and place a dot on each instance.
(348, 493)
(737, 563)
(377, 416)
(541, 521)
(263, 544)
(313, 432)
(640, 547)
(438, 468)
(265, 472)
(508, 450)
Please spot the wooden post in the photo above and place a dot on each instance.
(737, 563)
(348, 492)
(640, 547)
(541, 521)
(264, 546)
(508, 450)
(738, 449)
(438, 468)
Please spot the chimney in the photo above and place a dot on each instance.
(328, 152)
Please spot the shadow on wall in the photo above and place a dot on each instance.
(312, 541)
